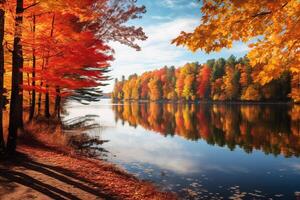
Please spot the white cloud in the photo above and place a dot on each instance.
(154, 150)
(157, 17)
(156, 52)
(169, 3)
(179, 4)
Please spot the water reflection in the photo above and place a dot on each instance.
(273, 129)
(80, 138)
(187, 148)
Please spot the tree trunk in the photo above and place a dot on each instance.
(33, 94)
(40, 93)
(16, 102)
(47, 103)
(40, 99)
(47, 99)
(2, 20)
(57, 102)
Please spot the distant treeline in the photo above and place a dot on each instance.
(218, 80)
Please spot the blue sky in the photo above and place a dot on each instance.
(164, 20)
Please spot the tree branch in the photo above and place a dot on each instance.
(32, 5)
(268, 12)
(261, 14)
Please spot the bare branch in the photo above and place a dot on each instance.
(32, 5)
(268, 12)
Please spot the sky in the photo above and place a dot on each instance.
(163, 21)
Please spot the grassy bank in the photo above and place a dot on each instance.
(47, 167)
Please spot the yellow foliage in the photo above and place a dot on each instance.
(251, 94)
(272, 29)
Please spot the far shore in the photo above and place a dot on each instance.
(208, 102)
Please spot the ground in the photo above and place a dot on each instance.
(43, 170)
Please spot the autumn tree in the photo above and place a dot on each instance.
(91, 23)
(245, 76)
(270, 27)
(33, 83)
(277, 89)
(60, 50)
(217, 92)
(188, 75)
(118, 93)
(188, 89)
(179, 83)
(170, 83)
(112, 27)
(16, 100)
(127, 90)
(251, 93)
(203, 79)
(2, 20)
(144, 90)
(218, 68)
(155, 89)
(219, 80)
(136, 86)
(231, 83)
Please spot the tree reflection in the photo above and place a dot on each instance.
(273, 129)
(83, 143)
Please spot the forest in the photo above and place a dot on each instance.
(52, 51)
(229, 79)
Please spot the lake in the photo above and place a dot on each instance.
(201, 151)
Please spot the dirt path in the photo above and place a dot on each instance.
(39, 182)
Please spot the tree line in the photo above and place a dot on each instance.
(56, 50)
(229, 79)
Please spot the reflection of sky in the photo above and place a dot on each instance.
(181, 156)
(192, 158)
(150, 148)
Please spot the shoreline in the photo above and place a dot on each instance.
(44, 169)
(209, 102)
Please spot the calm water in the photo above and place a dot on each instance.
(203, 151)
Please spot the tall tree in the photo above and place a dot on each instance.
(47, 97)
(16, 100)
(2, 20)
(72, 62)
(231, 83)
(203, 87)
(33, 83)
(155, 89)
